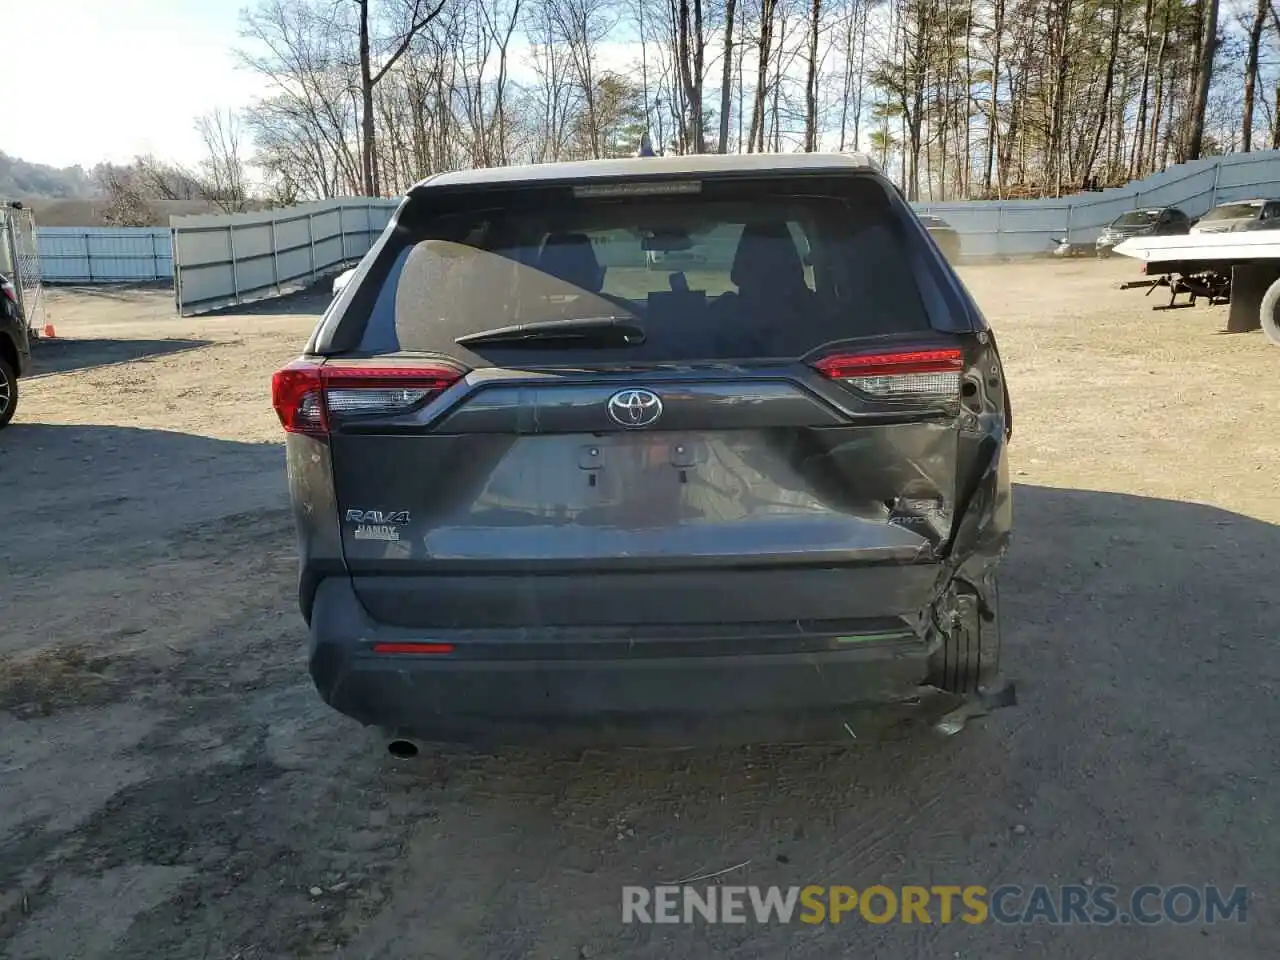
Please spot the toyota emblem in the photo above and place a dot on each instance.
(635, 408)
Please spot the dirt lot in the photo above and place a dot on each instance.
(170, 786)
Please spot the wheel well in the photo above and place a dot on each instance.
(9, 351)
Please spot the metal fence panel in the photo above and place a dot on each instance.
(105, 254)
(223, 260)
(1020, 227)
(20, 262)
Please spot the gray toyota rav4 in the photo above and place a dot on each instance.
(542, 488)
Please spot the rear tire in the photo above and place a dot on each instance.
(1268, 313)
(969, 657)
(8, 392)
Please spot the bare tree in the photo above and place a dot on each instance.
(764, 52)
(223, 167)
(1208, 37)
(691, 53)
(1251, 73)
(126, 205)
(580, 25)
(420, 13)
(726, 76)
(811, 80)
(306, 127)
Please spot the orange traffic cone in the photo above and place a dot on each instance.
(48, 332)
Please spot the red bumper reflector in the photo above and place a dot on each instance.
(413, 648)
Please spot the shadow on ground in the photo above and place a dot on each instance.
(124, 292)
(62, 355)
(309, 301)
(1141, 633)
(74, 493)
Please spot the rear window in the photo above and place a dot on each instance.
(1137, 218)
(733, 272)
(1234, 211)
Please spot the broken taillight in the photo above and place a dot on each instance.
(310, 397)
(898, 375)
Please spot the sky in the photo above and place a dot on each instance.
(114, 79)
(111, 79)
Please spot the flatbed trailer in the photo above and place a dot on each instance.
(1239, 269)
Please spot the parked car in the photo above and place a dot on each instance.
(1159, 221)
(15, 350)
(944, 235)
(1240, 215)
(535, 494)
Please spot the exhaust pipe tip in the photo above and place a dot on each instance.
(402, 749)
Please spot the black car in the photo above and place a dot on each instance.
(1152, 221)
(15, 350)
(944, 235)
(540, 488)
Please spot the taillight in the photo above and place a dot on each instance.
(9, 292)
(310, 398)
(900, 374)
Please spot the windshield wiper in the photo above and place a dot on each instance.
(579, 331)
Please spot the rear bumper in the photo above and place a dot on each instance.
(636, 692)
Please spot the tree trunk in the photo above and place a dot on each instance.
(993, 124)
(1153, 142)
(763, 49)
(1140, 127)
(690, 54)
(775, 114)
(368, 170)
(1275, 123)
(1204, 76)
(811, 82)
(1062, 57)
(1251, 75)
(1105, 100)
(862, 71)
(726, 76)
(689, 118)
(964, 170)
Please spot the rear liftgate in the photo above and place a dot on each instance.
(893, 455)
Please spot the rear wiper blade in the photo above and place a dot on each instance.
(583, 331)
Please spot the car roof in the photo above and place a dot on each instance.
(694, 165)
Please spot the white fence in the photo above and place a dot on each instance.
(104, 254)
(1019, 227)
(223, 260)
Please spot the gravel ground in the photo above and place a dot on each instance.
(172, 787)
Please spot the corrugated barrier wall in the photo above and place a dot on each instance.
(104, 254)
(222, 260)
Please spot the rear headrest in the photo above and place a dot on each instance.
(570, 257)
(767, 258)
